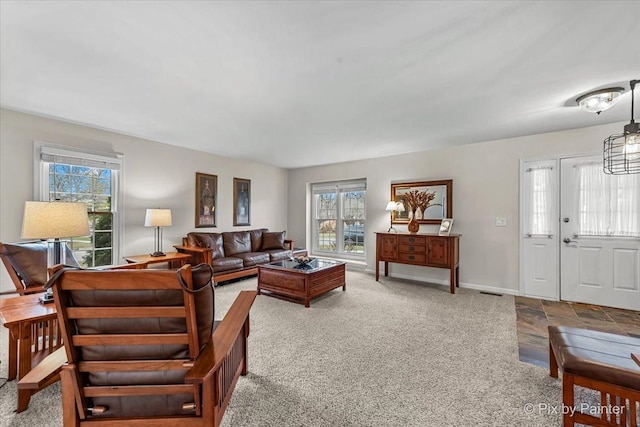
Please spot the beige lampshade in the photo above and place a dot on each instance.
(400, 207)
(157, 218)
(51, 220)
(391, 206)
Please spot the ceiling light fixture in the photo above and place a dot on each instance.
(622, 152)
(600, 100)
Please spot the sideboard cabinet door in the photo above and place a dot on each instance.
(438, 252)
(388, 247)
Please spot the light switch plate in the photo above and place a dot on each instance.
(501, 222)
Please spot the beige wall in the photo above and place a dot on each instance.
(155, 175)
(485, 186)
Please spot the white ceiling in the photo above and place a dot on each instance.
(295, 84)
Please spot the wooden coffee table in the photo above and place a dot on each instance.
(285, 280)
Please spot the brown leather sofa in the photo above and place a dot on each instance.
(237, 253)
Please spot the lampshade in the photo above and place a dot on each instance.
(622, 152)
(400, 207)
(391, 206)
(600, 100)
(157, 218)
(52, 220)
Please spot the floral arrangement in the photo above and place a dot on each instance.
(419, 200)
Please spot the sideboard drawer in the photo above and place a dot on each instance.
(412, 240)
(412, 258)
(419, 249)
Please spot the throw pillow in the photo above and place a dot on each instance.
(273, 240)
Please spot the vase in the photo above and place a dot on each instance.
(413, 225)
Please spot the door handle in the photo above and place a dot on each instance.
(568, 240)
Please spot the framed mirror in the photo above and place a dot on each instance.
(440, 205)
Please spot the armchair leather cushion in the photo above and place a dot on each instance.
(207, 240)
(236, 242)
(29, 260)
(204, 321)
(273, 240)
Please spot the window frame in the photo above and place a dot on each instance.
(341, 187)
(116, 160)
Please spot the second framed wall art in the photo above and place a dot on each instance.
(241, 201)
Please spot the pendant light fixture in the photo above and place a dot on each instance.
(622, 152)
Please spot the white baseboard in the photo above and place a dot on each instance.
(482, 288)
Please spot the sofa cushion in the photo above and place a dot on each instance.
(278, 254)
(273, 240)
(207, 240)
(29, 260)
(256, 238)
(236, 242)
(226, 263)
(252, 258)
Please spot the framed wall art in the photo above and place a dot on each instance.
(206, 197)
(241, 201)
(439, 201)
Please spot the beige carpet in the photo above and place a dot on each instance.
(393, 353)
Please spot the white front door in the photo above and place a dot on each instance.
(539, 205)
(600, 232)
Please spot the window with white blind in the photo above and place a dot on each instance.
(338, 218)
(70, 175)
(608, 205)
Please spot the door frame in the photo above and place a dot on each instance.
(558, 159)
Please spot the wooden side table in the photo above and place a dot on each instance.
(174, 259)
(33, 334)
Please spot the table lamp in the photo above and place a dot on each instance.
(393, 206)
(52, 221)
(158, 218)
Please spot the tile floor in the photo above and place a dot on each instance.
(534, 315)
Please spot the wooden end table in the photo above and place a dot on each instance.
(174, 259)
(33, 334)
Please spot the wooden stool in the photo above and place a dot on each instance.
(598, 361)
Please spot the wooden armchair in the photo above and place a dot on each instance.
(141, 351)
(26, 263)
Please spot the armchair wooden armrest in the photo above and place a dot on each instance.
(234, 327)
(46, 372)
(198, 255)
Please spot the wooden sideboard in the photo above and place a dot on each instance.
(426, 250)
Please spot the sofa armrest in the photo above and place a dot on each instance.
(198, 255)
(233, 326)
(289, 243)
